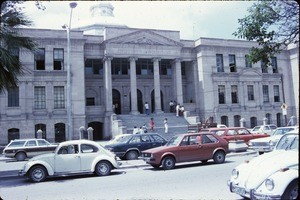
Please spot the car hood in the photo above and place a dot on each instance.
(43, 157)
(159, 149)
(253, 174)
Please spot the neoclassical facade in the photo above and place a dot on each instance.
(116, 69)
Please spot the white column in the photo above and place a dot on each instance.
(133, 88)
(196, 85)
(178, 81)
(107, 84)
(157, 98)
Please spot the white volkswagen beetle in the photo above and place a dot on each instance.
(270, 176)
(71, 157)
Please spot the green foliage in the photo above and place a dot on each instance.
(12, 18)
(273, 25)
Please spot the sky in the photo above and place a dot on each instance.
(194, 19)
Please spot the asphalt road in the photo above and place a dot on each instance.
(186, 181)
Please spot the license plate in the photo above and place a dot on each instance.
(239, 191)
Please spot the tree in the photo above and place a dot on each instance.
(273, 24)
(11, 41)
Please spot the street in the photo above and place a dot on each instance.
(186, 181)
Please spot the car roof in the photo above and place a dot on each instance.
(208, 129)
(78, 142)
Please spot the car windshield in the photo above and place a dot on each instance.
(288, 142)
(282, 131)
(17, 144)
(174, 141)
(124, 139)
(256, 128)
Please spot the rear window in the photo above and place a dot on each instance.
(157, 138)
(42, 143)
(17, 144)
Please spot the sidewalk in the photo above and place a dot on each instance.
(9, 168)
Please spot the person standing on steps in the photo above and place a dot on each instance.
(151, 124)
(146, 108)
(177, 110)
(166, 125)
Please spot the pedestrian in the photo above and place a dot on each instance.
(151, 124)
(144, 127)
(141, 131)
(171, 104)
(166, 125)
(135, 130)
(181, 110)
(147, 108)
(177, 110)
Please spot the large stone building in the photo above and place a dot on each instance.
(115, 68)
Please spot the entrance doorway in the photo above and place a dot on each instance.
(98, 130)
(116, 96)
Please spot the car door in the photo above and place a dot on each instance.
(244, 134)
(189, 150)
(67, 159)
(146, 143)
(88, 153)
(231, 134)
(31, 148)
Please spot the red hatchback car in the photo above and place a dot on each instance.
(187, 148)
(235, 133)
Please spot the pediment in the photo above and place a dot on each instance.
(143, 37)
(250, 72)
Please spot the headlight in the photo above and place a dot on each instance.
(235, 173)
(269, 183)
(250, 143)
(272, 143)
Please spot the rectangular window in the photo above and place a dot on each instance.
(219, 63)
(274, 64)
(120, 66)
(221, 92)
(248, 62)
(264, 67)
(39, 59)
(265, 93)
(232, 63)
(58, 59)
(144, 67)
(250, 91)
(276, 93)
(39, 97)
(13, 97)
(93, 66)
(234, 94)
(59, 97)
(90, 101)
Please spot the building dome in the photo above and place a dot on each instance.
(101, 16)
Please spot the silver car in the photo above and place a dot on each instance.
(267, 144)
(20, 149)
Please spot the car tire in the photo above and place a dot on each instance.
(37, 173)
(103, 168)
(291, 192)
(132, 155)
(219, 157)
(168, 163)
(260, 153)
(20, 156)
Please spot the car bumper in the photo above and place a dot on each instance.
(257, 196)
(261, 149)
(238, 190)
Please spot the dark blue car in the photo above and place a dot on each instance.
(131, 146)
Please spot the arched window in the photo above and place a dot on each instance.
(60, 132)
(41, 127)
(253, 122)
(237, 120)
(12, 134)
(224, 120)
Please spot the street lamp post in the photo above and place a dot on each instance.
(69, 103)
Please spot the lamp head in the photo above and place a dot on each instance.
(73, 5)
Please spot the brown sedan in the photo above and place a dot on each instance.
(187, 148)
(235, 133)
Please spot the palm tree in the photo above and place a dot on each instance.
(11, 41)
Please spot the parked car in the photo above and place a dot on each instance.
(20, 149)
(71, 157)
(234, 133)
(131, 146)
(186, 148)
(262, 145)
(263, 129)
(270, 176)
